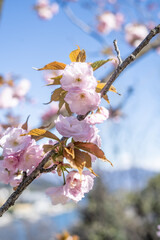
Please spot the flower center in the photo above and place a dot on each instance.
(78, 80)
(15, 143)
(82, 96)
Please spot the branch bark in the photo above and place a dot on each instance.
(28, 179)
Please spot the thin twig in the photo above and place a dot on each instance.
(151, 46)
(117, 51)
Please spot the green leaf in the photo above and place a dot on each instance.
(100, 63)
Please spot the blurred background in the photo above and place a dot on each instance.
(124, 203)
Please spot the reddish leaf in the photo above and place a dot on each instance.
(56, 95)
(25, 125)
(68, 109)
(93, 149)
(80, 161)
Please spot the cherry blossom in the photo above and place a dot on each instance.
(12, 142)
(7, 99)
(11, 162)
(21, 89)
(135, 33)
(96, 139)
(46, 10)
(57, 195)
(108, 22)
(10, 96)
(100, 116)
(71, 127)
(31, 157)
(158, 231)
(78, 75)
(76, 185)
(9, 177)
(82, 101)
(52, 111)
(75, 188)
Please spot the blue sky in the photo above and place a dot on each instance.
(27, 41)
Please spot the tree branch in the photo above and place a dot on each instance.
(151, 46)
(129, 59)
(39, 169)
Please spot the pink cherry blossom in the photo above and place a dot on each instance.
(4, 174)
(100, 116)
(76, 185)
(82, 101)
(109, 21)
(158, 232)
(96, 139)
(32, 156)
(57, 195)
(46, 10)
(12, 142)
(11, 162)
(21, 89)
(9, 177)
(135, 33)
(51, 112)
(7, 99)
(78, 75)
(1, 130)
(71, 127)
(15, 179)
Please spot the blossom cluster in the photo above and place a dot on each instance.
(46, 10)
(10, 95)
(135, 33)
(80, 84)
(21, 153)
(75, 187)
(81, 142)
(108, 22)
